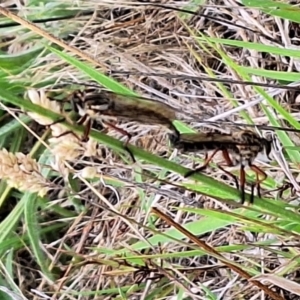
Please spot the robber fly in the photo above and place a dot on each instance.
(98, 106)
(143, 110)
(239, 148)
(126, 108)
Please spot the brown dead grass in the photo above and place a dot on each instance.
(144, 39)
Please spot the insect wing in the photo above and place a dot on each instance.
(142, 109)
(207, 138)
(193, 142)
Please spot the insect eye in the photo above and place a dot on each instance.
(268, 148)
(268, 143)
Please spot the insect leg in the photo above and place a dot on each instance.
(252, 193)
(227, 158)
(60, 120)
(231, 175)
(207, 161)
(124, 132)
(280, 190)
(228, 163)
(284, 188)
(89, 125)
(79, 122)
(87, 130)
(263, 175)
(242, 182)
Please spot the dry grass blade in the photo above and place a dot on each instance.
(284, 283)
(216, 254)
(48, 36)
(208, 79)
(106, 218)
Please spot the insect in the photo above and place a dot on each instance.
(239, 148)
(126, 108)
(98, 106)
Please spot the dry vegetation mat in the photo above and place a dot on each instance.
(105, 211)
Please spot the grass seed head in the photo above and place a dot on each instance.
(64, 147)
(22, 172)
(40, 98)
